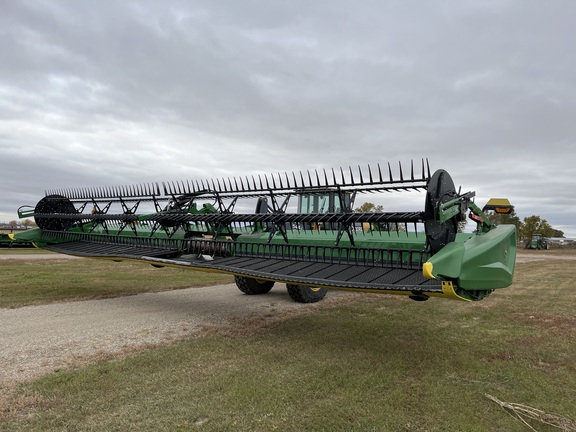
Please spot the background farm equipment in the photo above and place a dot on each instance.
(251, 228)
(538, 241)
(8, 239)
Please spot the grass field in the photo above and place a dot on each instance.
(380, 363)
(35, 281)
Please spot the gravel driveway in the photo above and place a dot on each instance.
(36, 340)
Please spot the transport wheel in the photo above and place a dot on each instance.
(253, 286)
(306, 294)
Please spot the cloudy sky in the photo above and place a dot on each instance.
(109, 92)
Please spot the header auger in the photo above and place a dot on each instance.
(295, 228)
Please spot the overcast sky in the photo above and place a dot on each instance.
(110, 92)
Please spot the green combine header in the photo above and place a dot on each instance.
(296, 228)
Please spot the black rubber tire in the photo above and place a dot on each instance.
(305, 294)
(253, 286)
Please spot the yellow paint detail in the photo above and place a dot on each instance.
(499, 205)
(498, 202)
(427, 270)
(11, 236)
(449, 292)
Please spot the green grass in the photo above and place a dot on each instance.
(376, 364)
(19, 250)
(36, 281)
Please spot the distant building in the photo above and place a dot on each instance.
(561, 241)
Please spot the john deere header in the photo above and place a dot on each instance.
(297, 228)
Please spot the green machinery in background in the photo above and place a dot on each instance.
(538, 241)
(8, 239)
(296, 228)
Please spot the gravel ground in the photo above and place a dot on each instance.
(37, 340)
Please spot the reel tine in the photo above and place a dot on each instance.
(367, 179)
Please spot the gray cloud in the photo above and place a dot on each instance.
(99, 93)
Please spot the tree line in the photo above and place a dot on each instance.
(528, 227)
